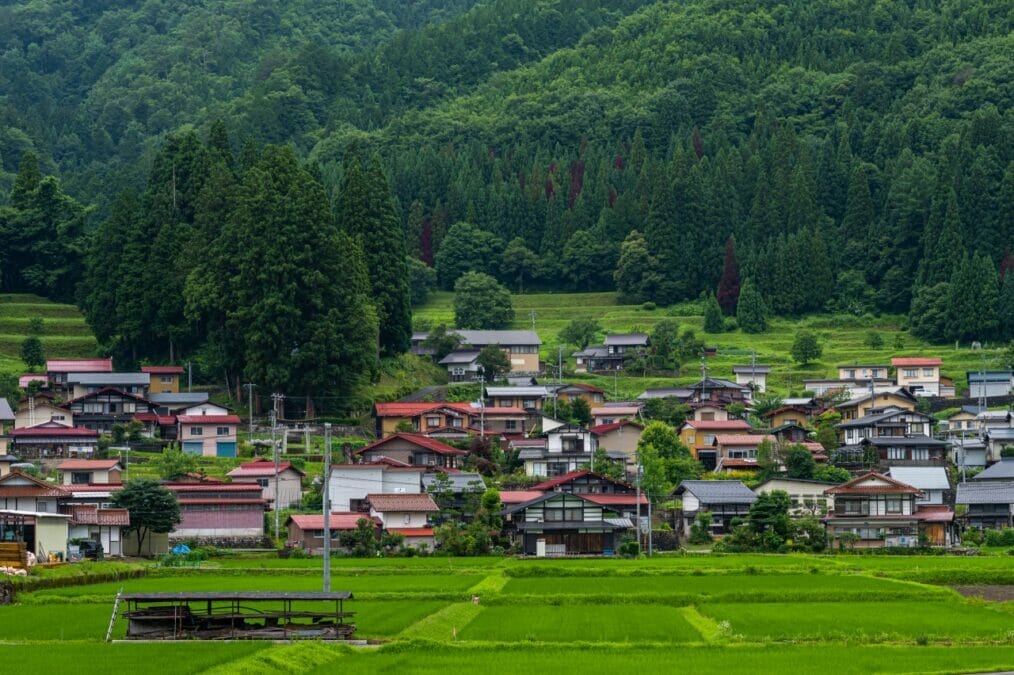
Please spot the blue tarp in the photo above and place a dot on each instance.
(180, 549)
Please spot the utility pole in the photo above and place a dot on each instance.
(533, 315)
(649, 528)
(616, 383)
(559, 365)
(482, 404)
(704, 378)
(637, 456)
(190, 376)
(327, 506)
(274, 454)
(249, 400)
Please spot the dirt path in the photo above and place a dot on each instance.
(994, 593)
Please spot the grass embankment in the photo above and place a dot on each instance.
(843, 338)
(64, 331)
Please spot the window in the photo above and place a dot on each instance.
(850, 374)
(196, 431)
(910, 372)
(524, 349)
(691, 438)
(222, 431)
(743, 454)
(920, 453)
(528, 403)
(166, 379)
(263, 482)
(707, 417)
(894, 504)
(456, 422)
(853, 506)
(896, 453)
(709, 439)
(571, 444)
(129, 406)
(433, 421)
(927, 372)
(93, 408)
(81, 477)
(510, 425)
(57, 418)
(557, 469)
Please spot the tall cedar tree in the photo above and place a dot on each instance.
(365, 210)
(104, 263)
(751, 314)
(728, 285)
(303, 330)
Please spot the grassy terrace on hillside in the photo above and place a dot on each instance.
(64, 334)
(842, 336)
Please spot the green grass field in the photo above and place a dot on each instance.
(843, 339)
(702, 613)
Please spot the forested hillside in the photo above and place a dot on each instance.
(847, 156)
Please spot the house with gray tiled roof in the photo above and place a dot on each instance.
(723, 499)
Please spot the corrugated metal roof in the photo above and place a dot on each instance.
(108, 378)
(189, 397)
(922, 477)
(79, 366)
(1004, 469)
(718, 491)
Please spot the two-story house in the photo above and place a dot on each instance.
(864, 373)
(563, 523)
(530, 399)
(351, 483)
(988, 504)
(863, 405)
(100, 410)
(602, 490)
(57, 370)
(208, 435)
(413, 450)
(53, 439)
(520, 346)
(405, 514)
(989, 383)
(390, 418)
(619, 440)
(610, 413)
(919, 375)
(591, 394)
(700, 436)
(164, 379)
(932, 481)
(82, 384)
(613, 354)
(261, 472)
(725, 500)
(893, 437)
(753, 376)
(738, 452)
(37, 409)
(806, 495)
(718, 390)
(882, 511)
(567, 448)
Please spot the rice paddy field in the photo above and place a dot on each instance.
(64, 331)
(695, 613)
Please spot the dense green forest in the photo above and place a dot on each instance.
(850, 156)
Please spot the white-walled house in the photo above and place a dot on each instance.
(567, 449)
(262, 472)
(931, 480)
(351, 483)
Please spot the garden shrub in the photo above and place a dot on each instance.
(700, 531)
(1004, 537)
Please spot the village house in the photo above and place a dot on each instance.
(461, 485)
(964, 422)
(57, 370)
(736, 452)
(699, 436)
(997, 441)
(391, 418)
(7, 418)
(530, 399)
(709, 412)
(610, 413)
(864, 372)
(932, 481)
(351, 483)
(790, 433)
(261, 472)
(306, 531)
(989, 383)
(788, 414)
(919, 375)
(602, 490)
(101, 409)
(21, 492)
(723, 499)
(849, 389)
(755, 377)
(412, 450)
(567, 448)
(520, 346)
(883, 511)
(28, 379)
(172, 404)
(988, 504)
(891, 435)
(405, 514)
(806, 495)
(44, 534)
(105, 525)
(591, 395)
(864, 405)
(208, 435)
(88, 471)
(37, 409)
(968, 452)
(619, 440)
(164, 379)
(215, 510)
(82, 384)
(718, 390)
(52, 439)
(681, 394)
(565, 523)
(1002, 470)
(616, 351)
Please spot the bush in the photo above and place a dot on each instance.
(630, 549)
(1004, 537)
(700, 531)
(972, 537)
(649, 306)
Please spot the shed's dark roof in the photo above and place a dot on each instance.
(718, 491)
(1004, 469)
(240, 595)
(986, 492)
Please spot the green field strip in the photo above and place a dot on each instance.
(492, 584)
(444, 624)
(711, 632)
(295, 658)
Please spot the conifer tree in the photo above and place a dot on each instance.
(728, 286)
(713, 321)
(751, 313)
(1005, 308)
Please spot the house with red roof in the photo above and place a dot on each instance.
(919, 375)
(58, 369)
(699, 435)
(261, 472)
(53, 439)
(164, 379)
(105, 525)
(619, 439)
(28, 379)
(883, 511)
(21, 492)
(216, 511)
(391, 418)
(91, 471)
(405, 514)
(208, 435)
(39, 408)
(306, 531)
(413, 450)
(591, 394)
(735, 452)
